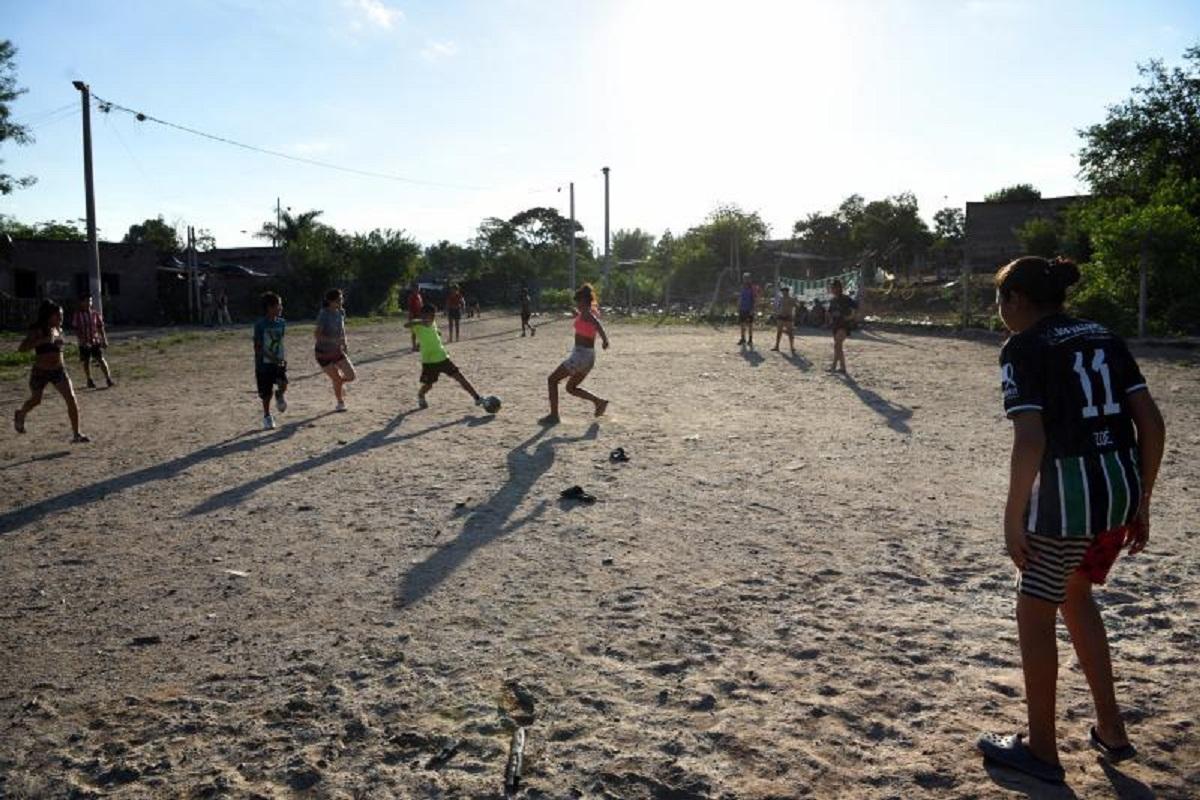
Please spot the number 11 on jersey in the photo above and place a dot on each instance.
(1090, 409)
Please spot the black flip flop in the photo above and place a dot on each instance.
(618, 455)
(1114, 755)
(1012, 752)
(577, 493)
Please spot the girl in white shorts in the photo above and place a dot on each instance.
(583, 356)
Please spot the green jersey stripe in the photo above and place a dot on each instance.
(1119, 492)
(1074, 496)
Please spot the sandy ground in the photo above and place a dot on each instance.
(796, 587)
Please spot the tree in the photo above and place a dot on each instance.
(831, 235)
(1152, 136)
(156, 233)
(890, 233)
(67, 230)
(632, 245)
(381, 261)
(290, 228)
(9, 130)
(950, 225)
(1039, 237)
(458, 262)
(1019, 192)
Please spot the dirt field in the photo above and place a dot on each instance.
(796, 587)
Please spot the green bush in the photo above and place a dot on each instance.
(551, 299)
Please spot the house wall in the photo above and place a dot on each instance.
(34, 269)
(991, 239)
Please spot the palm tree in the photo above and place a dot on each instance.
(290, 228)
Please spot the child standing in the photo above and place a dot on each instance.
(45, 339)
(526, 312)
(454, 310)
(583, 356)
(415, 304)
(1087, 443)
(746, 298)
(841, 320)
(330, 333)
(435, 361)
(89, 332)
(270, 365)
(785, 319)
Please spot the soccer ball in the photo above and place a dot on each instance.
(491, 404)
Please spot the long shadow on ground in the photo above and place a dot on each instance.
(894, 414)
(752, 356)
(490, 520)
(797, 360)
(242, 443)
(380, 438)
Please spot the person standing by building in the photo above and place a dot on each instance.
(746, 298)
(89, 332)
(223, 317)
(454, 312)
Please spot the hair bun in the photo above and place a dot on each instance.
(1064, 271)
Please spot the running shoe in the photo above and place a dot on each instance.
(268, 423)
(422, 402)
(80, 438)
(19, 420)
(280, 401)
(341, 406)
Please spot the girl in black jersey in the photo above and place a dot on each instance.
(45, 339)
(1087, 443)
(841, 320)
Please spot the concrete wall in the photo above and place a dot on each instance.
(34, 269)
(991, 239)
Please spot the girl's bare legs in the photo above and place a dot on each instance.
(1091, 646)
(573, 389)
(68, 392)
(839, 353)
(340, 373)
(1039, 661)
(552, 384)
(34, 399)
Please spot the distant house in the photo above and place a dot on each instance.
(267, 260)
(991, 229)
(34, 269)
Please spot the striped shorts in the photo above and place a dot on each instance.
(1057, 558)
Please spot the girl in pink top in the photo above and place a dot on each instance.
(583, 357)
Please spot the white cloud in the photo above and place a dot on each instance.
(435, 51)
(374, 13)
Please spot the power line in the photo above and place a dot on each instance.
(108, 106)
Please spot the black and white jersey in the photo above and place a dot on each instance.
(1078, 375)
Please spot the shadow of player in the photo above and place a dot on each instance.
(492, 519)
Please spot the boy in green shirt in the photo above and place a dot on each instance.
(435, 360)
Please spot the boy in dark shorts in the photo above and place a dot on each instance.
(746, 299)
(435, 361)
(89, 332)
(841, 321)
(270, 365)
(1087, 442)
(785, 319)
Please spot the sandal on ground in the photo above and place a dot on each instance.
(80, 438)
(1114, 755)
(577, 493)
(1012, 752)
(618, 455)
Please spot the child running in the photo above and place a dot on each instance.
(331, 347)
(45, 339)
(841, 320)
(270, 366)
(435, 360)
(1087, 442)
(454, 312)
(89, 332)
(526, 313)
(785, 319)
(583, 357)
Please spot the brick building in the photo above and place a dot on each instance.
(34, 269)
(991, 229)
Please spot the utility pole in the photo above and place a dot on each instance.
(278, 221)
(85, 96)
(607, 263)
(190, 276)
(572, 238)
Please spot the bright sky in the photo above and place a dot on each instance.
(782, 107)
